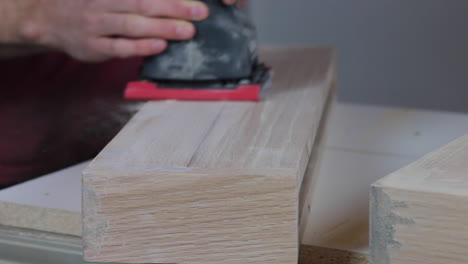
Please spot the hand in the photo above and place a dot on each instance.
(96, 30)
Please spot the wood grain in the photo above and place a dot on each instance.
(420, 213)
(217, 182)
(40, 218)
(313, 167)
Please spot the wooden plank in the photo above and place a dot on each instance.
(40, 218)
(218, 182)
(419, 214)
(313, 167)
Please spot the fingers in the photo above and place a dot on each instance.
(177, 9)
(129, 28)
(124, 48)
(134, 26)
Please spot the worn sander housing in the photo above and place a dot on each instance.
(219, 63)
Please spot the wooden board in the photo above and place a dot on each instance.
(40, 218)
(217, 182)
(313, 167)
(419, 214)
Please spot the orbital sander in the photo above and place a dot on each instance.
(219, 63)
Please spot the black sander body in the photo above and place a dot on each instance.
(219, 63)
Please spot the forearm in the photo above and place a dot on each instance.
(14, 36)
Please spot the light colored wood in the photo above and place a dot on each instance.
(210, 182)
(40, 218)
(32, 205)
(419, 214)
(44, 225)
(313, 167)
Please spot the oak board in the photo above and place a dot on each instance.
(419, 214)
(210, 182)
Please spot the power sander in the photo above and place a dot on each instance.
(219, 63)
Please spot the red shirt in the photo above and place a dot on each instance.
(55, 112)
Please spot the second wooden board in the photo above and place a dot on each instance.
(419, 214)
(210, 182)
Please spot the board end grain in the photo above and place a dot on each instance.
(419, 214)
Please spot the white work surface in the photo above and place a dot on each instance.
(364, 144)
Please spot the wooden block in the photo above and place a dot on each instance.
(419, 214)
(210, 182)
(40, 218)
(313, 167)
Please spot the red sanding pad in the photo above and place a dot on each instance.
(142, 90)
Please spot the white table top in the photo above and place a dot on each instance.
(58, 190)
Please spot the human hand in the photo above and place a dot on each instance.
(96, 30)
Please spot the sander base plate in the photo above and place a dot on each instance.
(230, 90)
